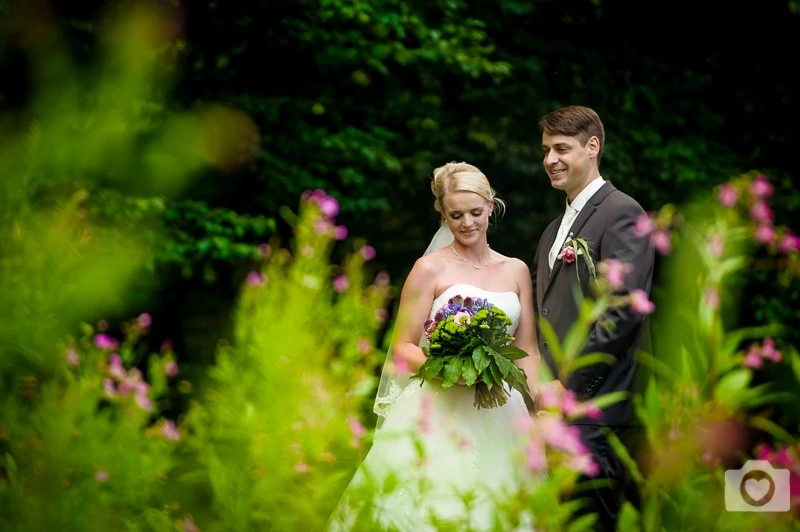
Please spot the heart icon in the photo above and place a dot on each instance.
(757, 489)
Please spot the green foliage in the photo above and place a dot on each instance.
(272, 436)
(87, 449)
(187, 233)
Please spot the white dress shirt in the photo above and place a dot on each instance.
(570, 213)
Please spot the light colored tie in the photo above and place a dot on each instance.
(563, 229)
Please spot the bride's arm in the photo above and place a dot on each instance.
(526, 330)
(416, 299)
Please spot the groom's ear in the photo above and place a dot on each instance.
(594, 145)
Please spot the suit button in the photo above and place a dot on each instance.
(544, 312)
(544, 345)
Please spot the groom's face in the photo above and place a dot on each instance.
(569, 164)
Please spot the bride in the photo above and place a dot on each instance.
(437, 461)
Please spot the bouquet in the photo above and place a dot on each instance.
(468, 339)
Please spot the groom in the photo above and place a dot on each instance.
(572, 140)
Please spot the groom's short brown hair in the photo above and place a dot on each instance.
(575, 121)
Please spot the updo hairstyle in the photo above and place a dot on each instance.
(462, 177)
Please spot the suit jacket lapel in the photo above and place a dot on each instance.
(543, 273)
(586, 213)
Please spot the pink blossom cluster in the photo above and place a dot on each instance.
(557, 399)
(614, 272)
(358, 431)
(550, 431)
(122, 383)
(760, 213)
(329, 208)
(550, 441)
(658, 229)
(784, 457)
(756, 355)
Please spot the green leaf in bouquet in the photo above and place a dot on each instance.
(480, 358)
(494, 370)
(505, 366)
(430, 369)
(487, 378)
(452, 371)
(468, 371)
(511, 352)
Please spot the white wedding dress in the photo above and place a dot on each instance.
(438, 459)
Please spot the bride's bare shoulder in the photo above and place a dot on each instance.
(430, 264)
(511, 262)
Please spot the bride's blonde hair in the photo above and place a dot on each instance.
(462, 177)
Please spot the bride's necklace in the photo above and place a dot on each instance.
(457, 254)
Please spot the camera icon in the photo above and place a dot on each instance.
(757, 487)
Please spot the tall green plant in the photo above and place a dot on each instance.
(279, 424)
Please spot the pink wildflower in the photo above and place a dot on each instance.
(769, 352)
(170, 368)
(341, 283)
(328, 206)
(644, 225)
(188, 524)
(302, 467)
(535, 457)
(761, 187)
(364, 346)
(101, 475)
(789, 243)
(109, 390)
(761, 212)
(145, 320)
(256, 278)
(144, 403)
(104, 341)
(661, 240)
(340, 232)
(264, 250)
(753, 358)
(640, 304)
(382, 279)
(569, 403)
(170, 431)
(583, 463)
(614, 271)
(561, 436)
(367, 253)
(115, 368)
(765, 234)
(102, 325)
(592, 411)
(72, 357)
(727, 195)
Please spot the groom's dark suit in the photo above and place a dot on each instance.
(607, 223)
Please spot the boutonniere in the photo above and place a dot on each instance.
(574, 247)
